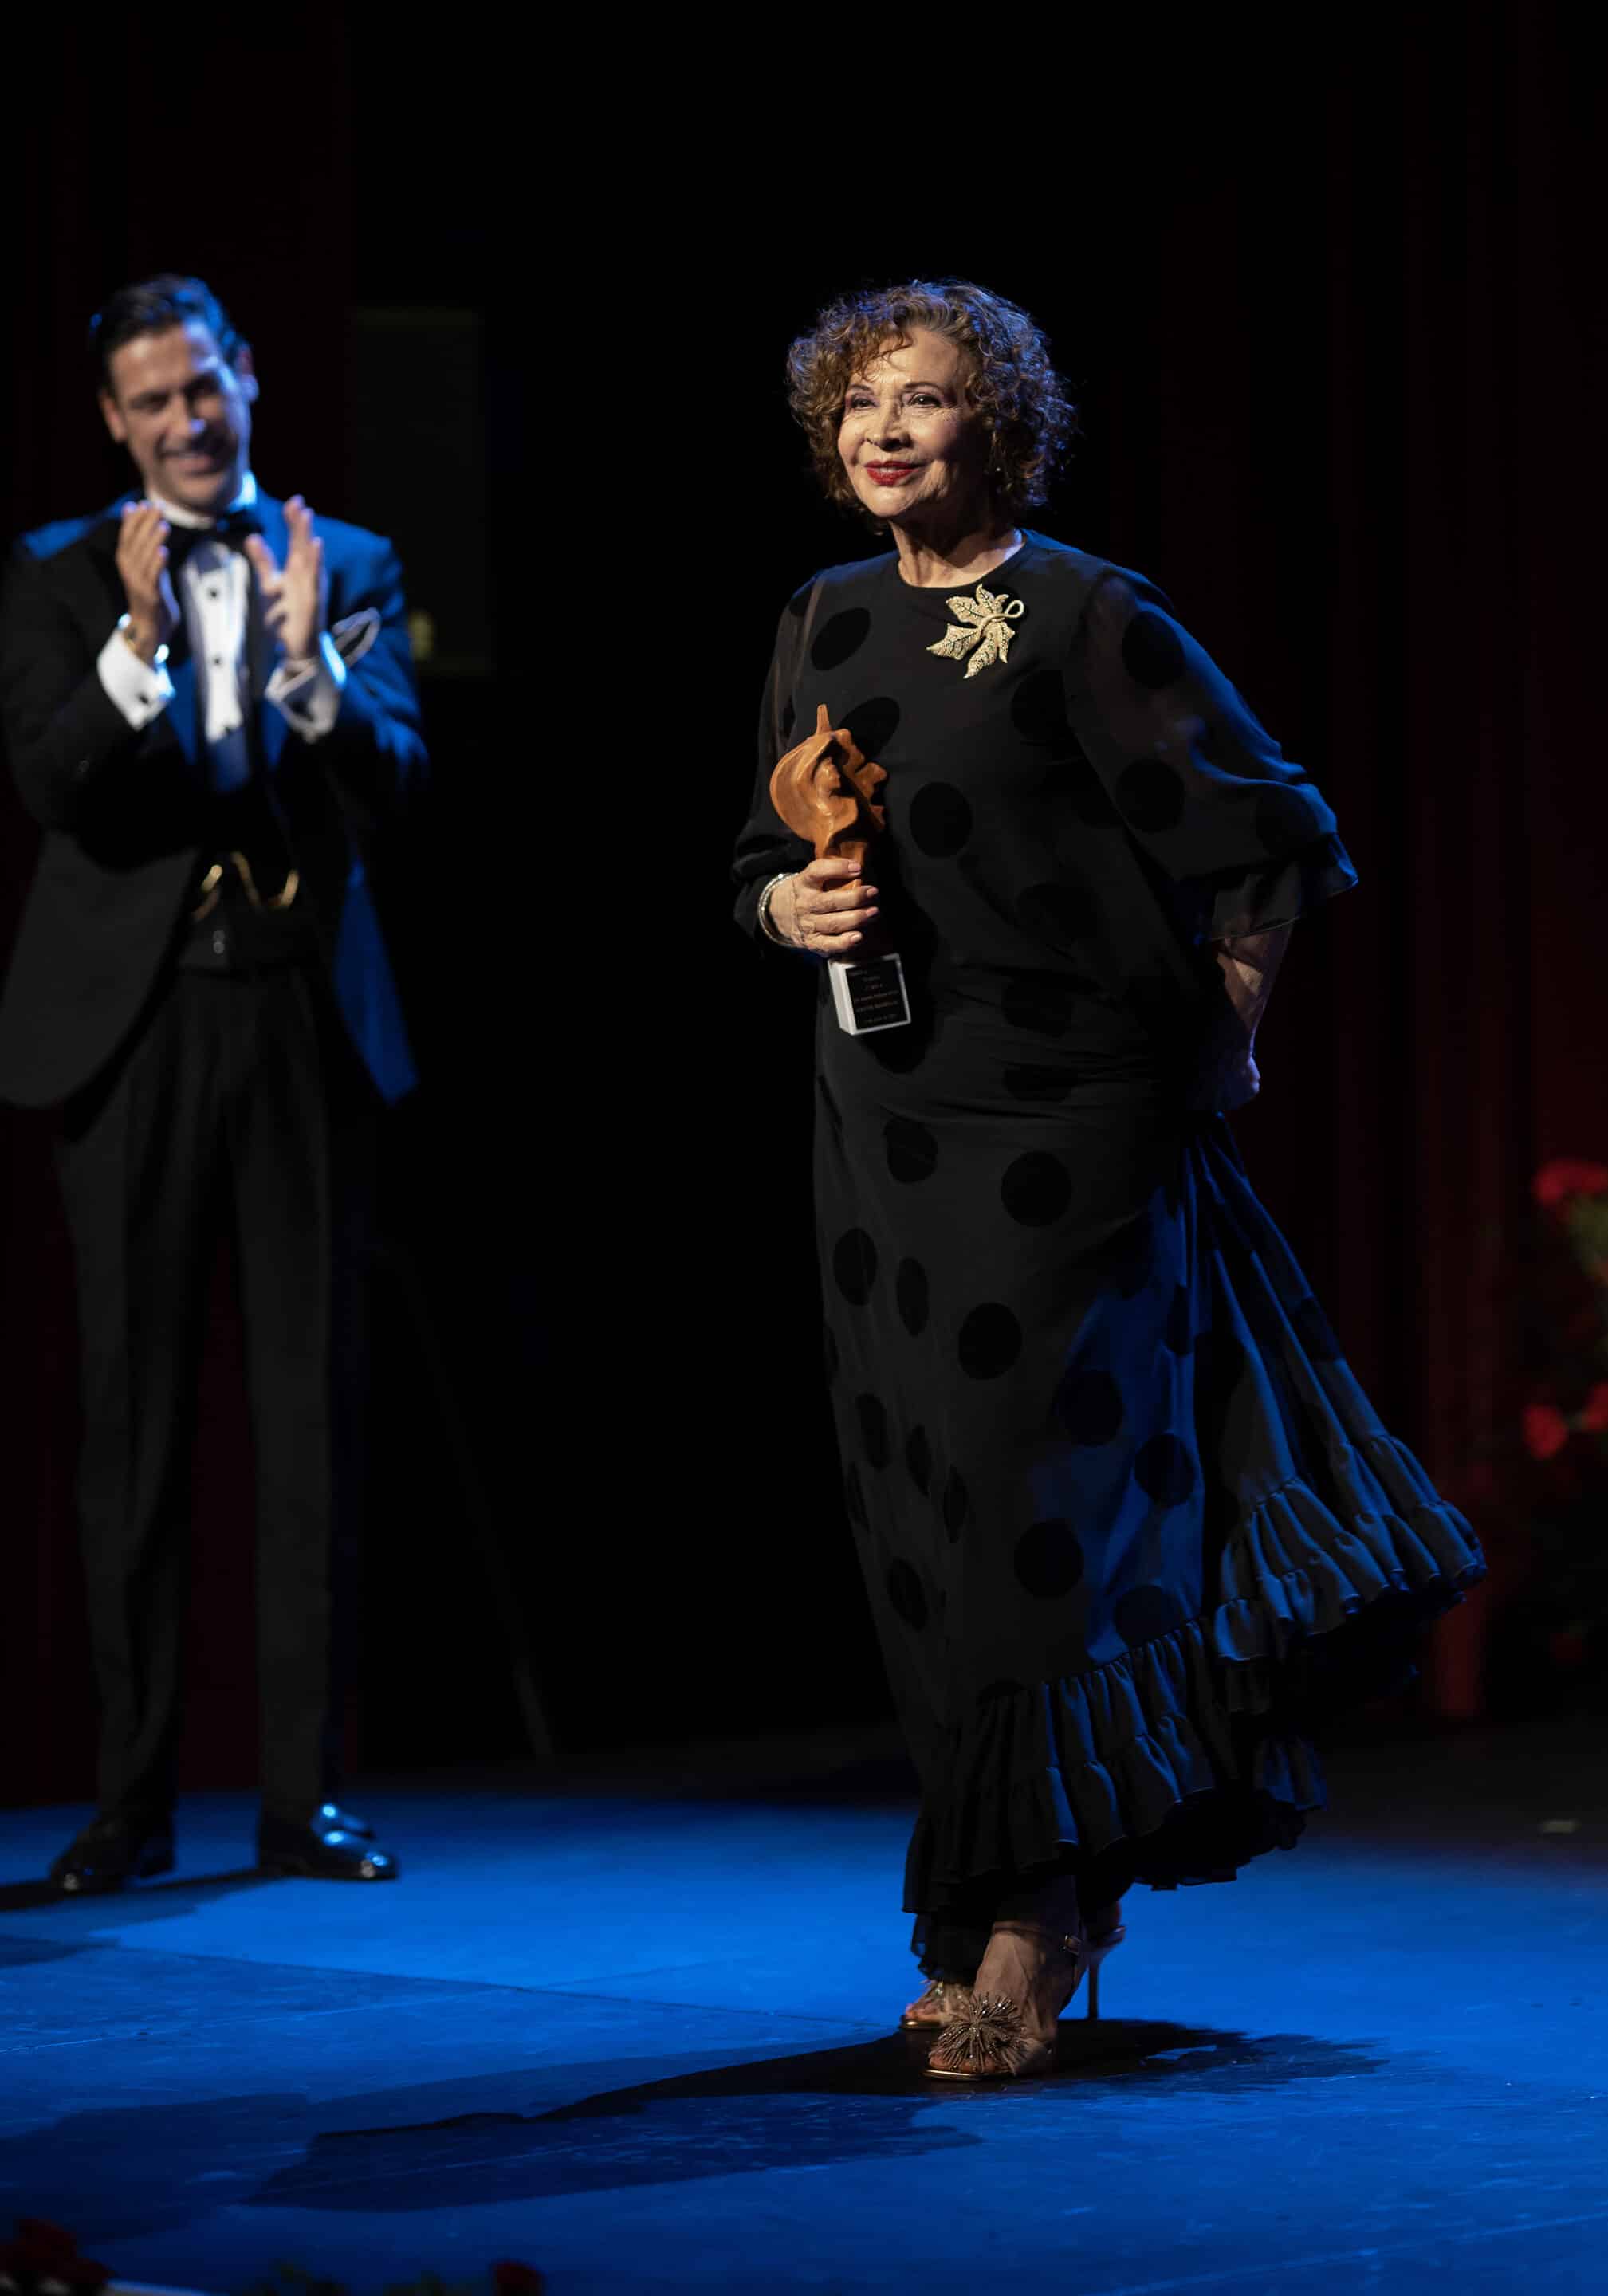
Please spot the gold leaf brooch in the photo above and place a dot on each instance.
(984, 624)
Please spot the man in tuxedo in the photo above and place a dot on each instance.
(209, 706)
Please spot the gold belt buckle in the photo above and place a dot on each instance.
(213, 887)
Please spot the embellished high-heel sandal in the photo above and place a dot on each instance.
(945, 1999)
(989, 2040)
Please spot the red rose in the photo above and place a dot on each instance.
(43, 2252)
(1545, 1429)
(1566, 1176)
(512, 2279)
(1594, 1412)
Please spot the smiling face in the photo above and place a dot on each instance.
(913, 446)
(184, 414)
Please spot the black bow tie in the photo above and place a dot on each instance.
(231, 530)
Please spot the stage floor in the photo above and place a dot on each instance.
(636, 2033)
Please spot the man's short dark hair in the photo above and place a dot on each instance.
(149, 309)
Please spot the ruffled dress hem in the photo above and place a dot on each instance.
(1190, 1753)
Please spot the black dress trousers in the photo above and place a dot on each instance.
(239, 1101)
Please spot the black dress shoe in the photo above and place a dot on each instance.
(112, 1851)
(322, 1850)
(329, 1814)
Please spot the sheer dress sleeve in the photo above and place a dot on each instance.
(1204, 790)
(765, 844)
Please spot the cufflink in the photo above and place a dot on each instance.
(354, 634)
(158, 659)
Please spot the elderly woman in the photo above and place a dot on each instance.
(1126, 1521)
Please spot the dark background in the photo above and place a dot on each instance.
(1341, 356)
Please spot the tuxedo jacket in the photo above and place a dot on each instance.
(129, 817)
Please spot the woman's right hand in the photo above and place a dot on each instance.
(147, 585)
(824, 908)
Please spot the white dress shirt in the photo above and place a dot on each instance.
(217, 599)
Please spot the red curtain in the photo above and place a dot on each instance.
(1339, 318)
(1346, 409)
(1339, 332)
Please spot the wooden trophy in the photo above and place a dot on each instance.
(822, 789)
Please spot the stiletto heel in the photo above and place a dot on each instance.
(1098, 1948)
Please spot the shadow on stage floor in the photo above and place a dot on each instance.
(155, 1902)
(638, 2031)
(825, 2107)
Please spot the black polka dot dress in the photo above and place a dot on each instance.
(1125, 1519)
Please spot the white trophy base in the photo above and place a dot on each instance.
(869, 997)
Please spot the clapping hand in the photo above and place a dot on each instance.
(147, 584)
(295, 595)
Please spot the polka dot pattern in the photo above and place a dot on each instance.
(1164, 1470)
(1038, 709)
(854, 1265)
(1088, 1405)
(1049, 1559)
(990, 1341)
(873, 1417)
(1123, 1261)
(1151, 793)
(900, 1051)
(1036, 1189)
(1283, 820)
(911, 1294)
(940, 820)
(873, 724)
(838, 640)
(911, 1150)
(907, 1594)
(1038, 1448)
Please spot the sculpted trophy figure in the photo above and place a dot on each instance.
(825, 790)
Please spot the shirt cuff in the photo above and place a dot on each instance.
(309, 693)
(141, 691)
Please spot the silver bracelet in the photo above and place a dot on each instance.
(762, 911)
